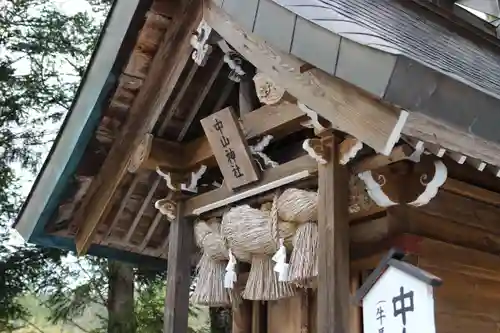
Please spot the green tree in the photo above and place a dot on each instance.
(43, 53)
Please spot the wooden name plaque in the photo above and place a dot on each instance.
(230, 148)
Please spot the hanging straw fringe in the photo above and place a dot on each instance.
(210, 289)
(263, 282)
(212, 266)
(304, 259)
(255, 232)
(298, 206)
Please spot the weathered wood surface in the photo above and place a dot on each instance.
(181, 245)
(242, 317)
(434, 131)
(268, 177)
(333, 243)
(355, 323)
(230, 148)
(167, 66)
(469, 296)
(289, 315)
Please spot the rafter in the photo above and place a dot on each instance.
(172, 155)
(165, 70)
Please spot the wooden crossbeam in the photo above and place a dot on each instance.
(346, 107)
(298, 169)
(452, 139)
(166, 68)
(173, 156)
(399, 153)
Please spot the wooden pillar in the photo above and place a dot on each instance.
(333, 243)
(242, 317)
(178, 274)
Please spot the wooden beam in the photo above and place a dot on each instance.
(346, 107)
(450, 138)
(356, 325)
(214, 68)
(172, 156)
(277, 176)
(121, 208)
(180, 248)
(472, 191)
(165, 71)
(333, 243)
(151, 231)
(145, 205)
(221, 197)
(242, 317)
(153, 152)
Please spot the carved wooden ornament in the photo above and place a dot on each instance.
(315, 149)
(267, 91)
(199, 41)
(374, 182)
(183, 181)
(167, 207)
(258, 151)
(140, 154)
(415, 188)
(349, 148)
(430, 175)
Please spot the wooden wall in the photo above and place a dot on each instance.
(456, 237)
(461, 245)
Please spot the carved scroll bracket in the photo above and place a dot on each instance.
(314, 121)
(167, 207)
(267, 90)
(416, 187)
(258, 151)
(199, 41)
(374, 184)
(141, 154)
(183, 181)
(349, 148)
(177, 182)
(234, 60)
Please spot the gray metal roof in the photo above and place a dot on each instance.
(417, 62)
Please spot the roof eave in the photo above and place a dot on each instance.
(80, 122)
